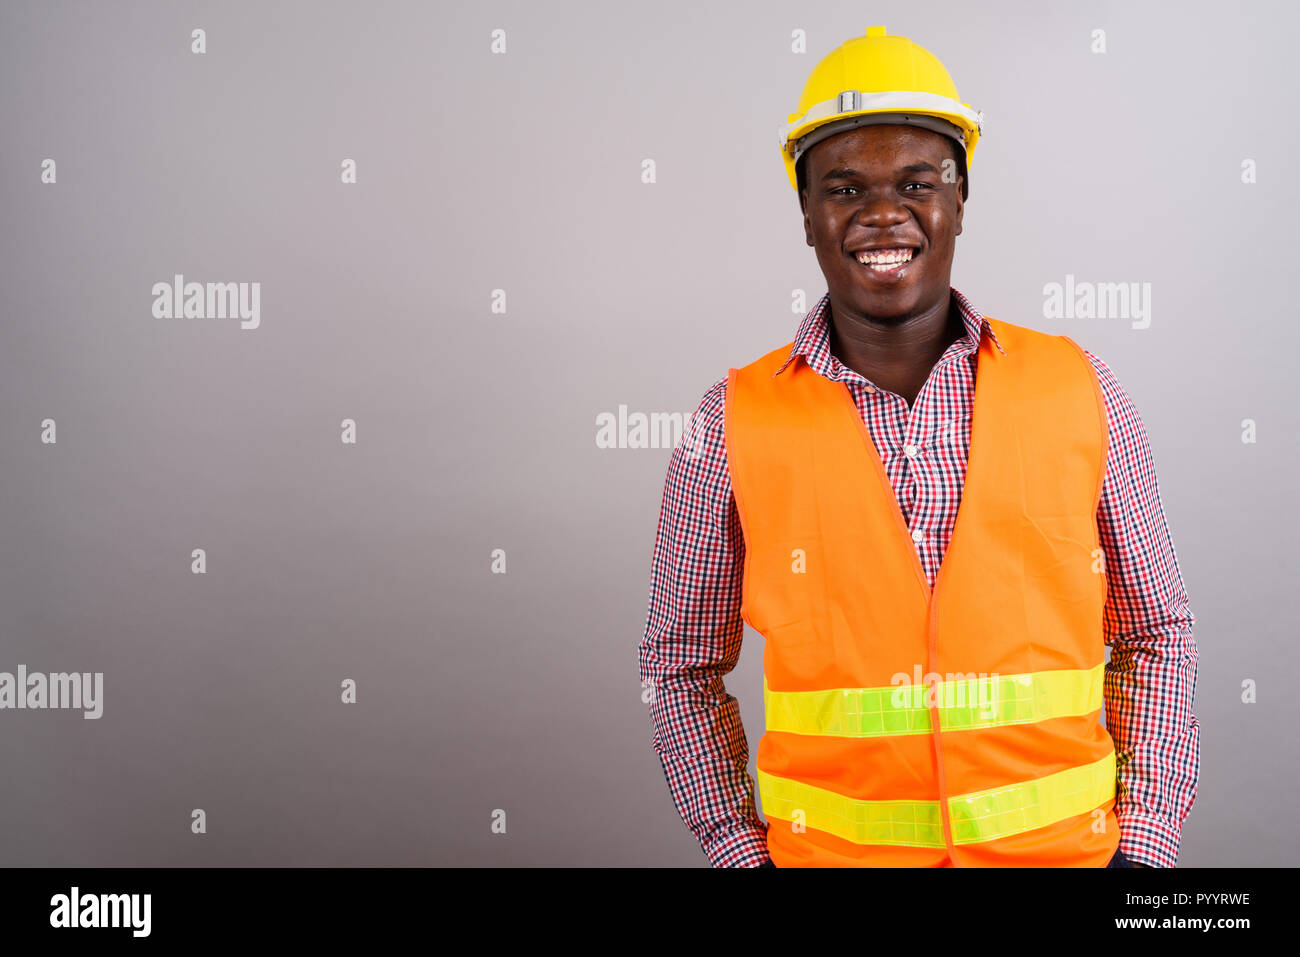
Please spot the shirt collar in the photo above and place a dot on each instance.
(812, 341)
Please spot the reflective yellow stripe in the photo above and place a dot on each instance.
(966, 703)
(846, 712)
(976, 817)
(914, 823)
(997, 812)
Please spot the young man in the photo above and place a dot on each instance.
(933, 677)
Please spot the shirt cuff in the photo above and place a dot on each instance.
(1147, 839)
(742, 848)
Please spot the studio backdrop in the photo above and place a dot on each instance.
(344, 347)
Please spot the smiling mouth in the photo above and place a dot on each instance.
(887, 263)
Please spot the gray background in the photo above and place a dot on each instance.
(477, 431)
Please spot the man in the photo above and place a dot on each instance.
(933, 679)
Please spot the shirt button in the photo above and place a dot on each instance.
(918, 536)
(910, 451)
(871, 388)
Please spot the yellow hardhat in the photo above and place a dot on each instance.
(877, 79)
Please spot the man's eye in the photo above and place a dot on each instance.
(840, 190)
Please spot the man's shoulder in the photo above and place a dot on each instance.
(1022, 336)
(768, 362)
(707, 420)
(1012, 334)
(713, 402)
(1121, 412)
(712, 405)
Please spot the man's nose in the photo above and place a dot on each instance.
(881, 209)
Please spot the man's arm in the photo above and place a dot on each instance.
(1151, 676)
(692, 639)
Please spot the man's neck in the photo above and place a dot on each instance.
(896, 355)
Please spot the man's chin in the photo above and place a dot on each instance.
(894, 306)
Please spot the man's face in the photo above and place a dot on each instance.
(883, 186)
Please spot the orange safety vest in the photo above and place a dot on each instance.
(911, 728)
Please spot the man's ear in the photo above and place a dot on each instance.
(807, 222)
(961, 207)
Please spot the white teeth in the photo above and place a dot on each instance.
(879, 257)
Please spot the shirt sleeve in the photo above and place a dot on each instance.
(692, 639)
(1151, 676)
